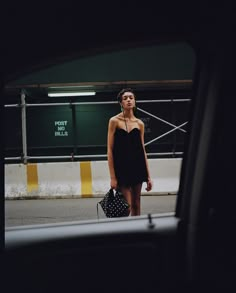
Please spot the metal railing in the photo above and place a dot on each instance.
(25, 158)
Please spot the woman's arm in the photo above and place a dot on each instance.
(149, 181)
(110, 143)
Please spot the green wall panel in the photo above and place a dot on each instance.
(12, 134)
(49, 130)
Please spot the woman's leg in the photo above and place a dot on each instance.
(135, 199)
(126, 191)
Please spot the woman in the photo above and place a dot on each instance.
(127, 159)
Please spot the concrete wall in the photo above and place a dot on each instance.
(81, 179)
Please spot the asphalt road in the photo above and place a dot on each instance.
(42, 211)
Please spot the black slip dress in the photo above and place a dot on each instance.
(129, 159)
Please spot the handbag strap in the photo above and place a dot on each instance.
(97, 212)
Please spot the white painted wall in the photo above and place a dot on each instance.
(63, 179)
(59, 179)
(15, 180)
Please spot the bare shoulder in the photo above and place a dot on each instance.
(140, 123)
(113, 121)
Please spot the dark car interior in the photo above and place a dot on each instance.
(189, 251)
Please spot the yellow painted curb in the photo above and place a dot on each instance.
(86, 179)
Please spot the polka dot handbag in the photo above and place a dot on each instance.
(114, 205)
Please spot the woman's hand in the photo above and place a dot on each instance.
(149, 185)
(114, 183)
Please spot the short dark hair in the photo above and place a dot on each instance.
(119, 96)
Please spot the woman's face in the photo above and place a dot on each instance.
(128, 100)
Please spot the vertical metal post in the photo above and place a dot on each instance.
(74, 129)
(173, 112)
(23, 121)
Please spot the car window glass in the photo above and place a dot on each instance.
(57, 120)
